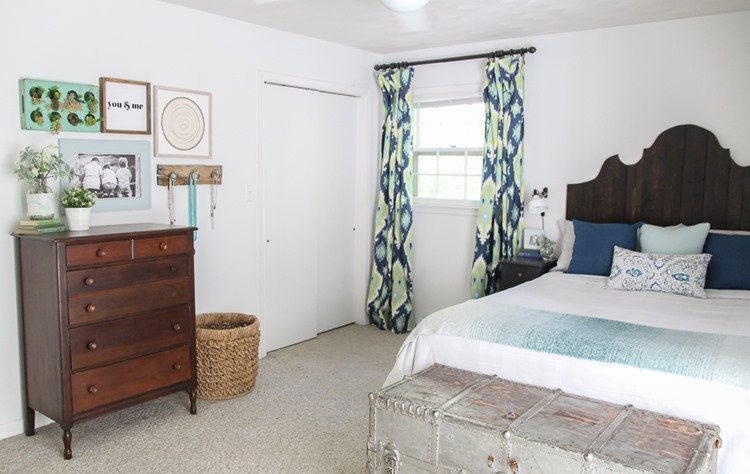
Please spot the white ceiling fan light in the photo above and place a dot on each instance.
(404, 6)
(410, 15)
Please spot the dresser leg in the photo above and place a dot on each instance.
(67, 438)
(193, 392)
(29, 428)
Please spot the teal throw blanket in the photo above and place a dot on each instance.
(713, 357)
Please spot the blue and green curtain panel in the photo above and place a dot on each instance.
(501, 206)
(389, 298)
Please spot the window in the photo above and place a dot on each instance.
(448, 150)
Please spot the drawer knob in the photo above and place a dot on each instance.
(513, 465)
(173, 268)
(177, 366)
(176, 326)
(520, 274)
(92, 345)
(93, 389)
(88, 281)
(90, 308)
(101, 253)
(163, 246)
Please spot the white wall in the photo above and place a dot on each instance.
(590, 95)
(166, 45)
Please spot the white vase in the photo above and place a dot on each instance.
(78, 217)
(40, 205)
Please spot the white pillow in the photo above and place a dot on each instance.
(567, 239)
(676, 274)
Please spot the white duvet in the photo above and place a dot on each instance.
(724, 312)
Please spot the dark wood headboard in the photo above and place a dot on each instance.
(685, 177)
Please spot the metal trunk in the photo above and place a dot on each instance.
(449, 420)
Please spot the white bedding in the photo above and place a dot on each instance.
(724, 312)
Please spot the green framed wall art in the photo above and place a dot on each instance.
(59, 106)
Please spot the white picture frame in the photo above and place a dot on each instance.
(531, 238)
(125, 106)
(182, 123)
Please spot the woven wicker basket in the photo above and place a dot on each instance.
(227, 353)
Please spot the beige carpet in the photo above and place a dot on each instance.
(308, 413)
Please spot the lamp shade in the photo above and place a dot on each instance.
(537, 205)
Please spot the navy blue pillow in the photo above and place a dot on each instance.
(595, 244)
(729, 268)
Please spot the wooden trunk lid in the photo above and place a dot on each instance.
(446, 418)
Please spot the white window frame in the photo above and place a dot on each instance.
(441, 205)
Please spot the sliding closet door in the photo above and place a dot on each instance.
(309, 145)
(289, 240)
(336, 211)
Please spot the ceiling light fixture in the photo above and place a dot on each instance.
(403, 6)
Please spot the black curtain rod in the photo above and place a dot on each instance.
(494, 54)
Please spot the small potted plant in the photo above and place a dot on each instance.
(36, 168)
(77, 202)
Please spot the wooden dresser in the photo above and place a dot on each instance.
(108, 320)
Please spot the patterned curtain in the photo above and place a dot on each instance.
(501, 206)
(389, 299)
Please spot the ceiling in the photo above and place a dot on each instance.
(367, 24)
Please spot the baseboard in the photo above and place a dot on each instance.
(15, 427)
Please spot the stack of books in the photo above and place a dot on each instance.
(528, 253)
(40, 227)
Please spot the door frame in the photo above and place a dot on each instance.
(363, 178)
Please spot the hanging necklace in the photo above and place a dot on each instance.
(193, 202)
(170, 197)
(214, 186)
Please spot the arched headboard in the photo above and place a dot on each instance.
(684, 177)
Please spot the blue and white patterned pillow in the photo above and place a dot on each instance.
(677, 274)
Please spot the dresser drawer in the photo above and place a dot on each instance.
(116, 276)
(160, 246)
(99, 253)
(97, 387)
(102, 305)
(122, 338)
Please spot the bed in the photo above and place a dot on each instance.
(682, 356)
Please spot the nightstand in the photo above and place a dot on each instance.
(520, 270)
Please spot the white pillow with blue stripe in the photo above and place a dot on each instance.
(676, 274)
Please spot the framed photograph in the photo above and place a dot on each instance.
(531, 238)
(56, 107)
(182, 123)
(126, 106)
(117, 171)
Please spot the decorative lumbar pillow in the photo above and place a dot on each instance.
(677, 274)
(594, 243)
(567, 239)
(730, 261)
(677, 240)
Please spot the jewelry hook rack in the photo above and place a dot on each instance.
(180, 174)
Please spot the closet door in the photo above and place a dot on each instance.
(337, 300)
(290, 260)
